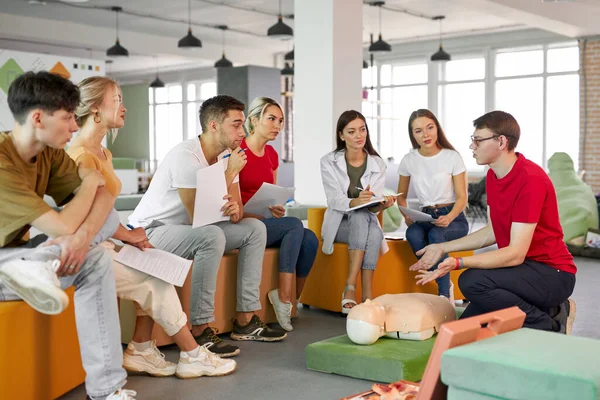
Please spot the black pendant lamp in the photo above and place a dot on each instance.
(189, 41)
(365, 64)
(157, 83)
(223, 62)
(380, 46)
(440, 55)
(117, 50)
(280, 30)
(289, 56)
(288, 70)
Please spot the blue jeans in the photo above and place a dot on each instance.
(421, 234)
(297, 245)
(360, 231)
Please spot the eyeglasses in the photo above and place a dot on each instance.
(475, 140)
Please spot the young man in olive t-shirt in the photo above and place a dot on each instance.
(33, 164)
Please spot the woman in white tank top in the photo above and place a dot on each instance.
(438, 175)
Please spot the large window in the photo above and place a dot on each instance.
(461, 98)
(174, 114)
(402, 89)
(540, 88)
(539, 85)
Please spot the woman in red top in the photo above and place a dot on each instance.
(298, 246)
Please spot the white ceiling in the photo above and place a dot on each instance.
(63, 27)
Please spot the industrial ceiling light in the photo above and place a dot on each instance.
(189, 41)
(157, 83)
(117, 50)
(289, 56)
(365, 64)
(223, 62)
(280, 30)
(440, 55)
(287, 70)
(380, 46)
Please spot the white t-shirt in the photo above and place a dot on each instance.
(177, 171)
(431, 177)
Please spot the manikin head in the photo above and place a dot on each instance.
(365, 323)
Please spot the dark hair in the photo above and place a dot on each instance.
(216, 108)
(43, 90)
(442, 141)
(501, 124)
(345, 119)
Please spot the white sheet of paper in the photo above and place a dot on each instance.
(268, 195)
(157, 263)
(376, 200)
(416, 215)
(210, 190)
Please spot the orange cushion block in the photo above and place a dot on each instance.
(39, 354)
(326, 281)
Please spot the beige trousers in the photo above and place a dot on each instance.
(152, 296)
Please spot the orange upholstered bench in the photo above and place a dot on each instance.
(324, 285)
(39, 354)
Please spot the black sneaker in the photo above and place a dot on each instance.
(256, 330)
(566, 316)
(215, 344)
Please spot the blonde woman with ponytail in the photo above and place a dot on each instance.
(101, 110)
(298, 246)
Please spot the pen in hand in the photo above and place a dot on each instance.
(361, 189)
(229, 155)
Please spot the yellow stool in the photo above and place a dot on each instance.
(327, 278)
(39, 354)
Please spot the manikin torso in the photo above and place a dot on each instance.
(412, 316)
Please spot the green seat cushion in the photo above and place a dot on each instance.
(455, 393)
(388, 360)
(526, 364)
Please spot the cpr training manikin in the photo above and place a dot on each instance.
(411, 316)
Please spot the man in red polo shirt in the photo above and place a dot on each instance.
(532, 268)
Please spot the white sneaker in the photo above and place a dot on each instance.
(283, 311)
(150, 361)
(122, 394)
(206, 363)
(36, 283)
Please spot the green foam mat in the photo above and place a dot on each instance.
(388, 360)
(526, 364)
(455, 393)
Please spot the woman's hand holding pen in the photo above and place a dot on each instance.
(364, 197)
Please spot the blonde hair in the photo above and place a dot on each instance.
(91, 91)
(257, 109)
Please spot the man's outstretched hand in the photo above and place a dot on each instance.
(430, 256)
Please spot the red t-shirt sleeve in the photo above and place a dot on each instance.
(529, 202)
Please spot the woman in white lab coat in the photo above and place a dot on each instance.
(353, 174)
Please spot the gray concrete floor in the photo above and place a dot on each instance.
(278, 370)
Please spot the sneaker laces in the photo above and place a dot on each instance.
(213, 336)
(123, 394)
(262, 324)
(214, 359)
(161, 357)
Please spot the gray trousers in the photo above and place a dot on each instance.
(96, 312)
(360, 230)
(206, 245)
